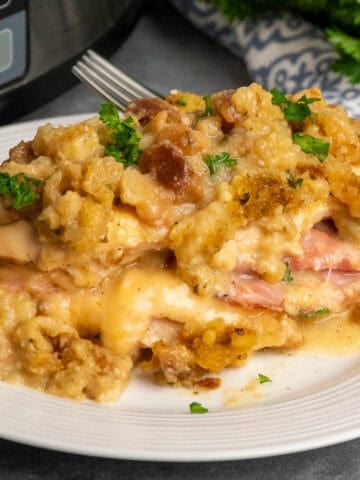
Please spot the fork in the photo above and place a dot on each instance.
(109, 81)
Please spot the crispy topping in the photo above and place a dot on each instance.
(145, 110)
(22, 153)
(168, 165)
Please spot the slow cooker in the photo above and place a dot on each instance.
(41, 39)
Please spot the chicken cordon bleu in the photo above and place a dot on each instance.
(179, 238)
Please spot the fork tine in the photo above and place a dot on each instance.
(109, 81)
(102, 84)
(85, 78)
(119, 89)
(119, 75)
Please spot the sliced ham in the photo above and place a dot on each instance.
(324, 252)
(16, 278)
(324, 275)
(312, 291)
(18, 243)
(309, 291)
(251, 291)
(342, 279)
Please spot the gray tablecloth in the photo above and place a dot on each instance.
(165, 52)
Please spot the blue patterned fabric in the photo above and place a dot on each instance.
(283, 51)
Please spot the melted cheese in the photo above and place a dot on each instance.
(337, 334)
(189, 263)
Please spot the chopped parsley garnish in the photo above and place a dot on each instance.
(196, 407)
(321, 311)
(288, 278)
(208, 106)
(278, 98)
(263, 378)
(20, 187)
(293, 111)
(214, 162)
(125, 148)
(312, 145)
(181, 101)
(294, 182)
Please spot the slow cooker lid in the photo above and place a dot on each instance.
(41, 40)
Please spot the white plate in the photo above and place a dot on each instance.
(311, 402)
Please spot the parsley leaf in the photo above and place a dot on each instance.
(349, 50)
(20, 187)
(263, 378)
(321, 311)
(196, 407)
(125, 148)
(294, 182)
(109, 115)
(307, 101)
(278, 98)
(288, 278)
(293, 111)
(344, 14)
(214, 162)
(312, 145)
(344, 43)
(349, 67)
(181, 101)
(208, 106)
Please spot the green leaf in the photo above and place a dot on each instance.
(342, 16)
(112, 150)
(214, 162)
(312, 145)
(263, 378)
(345, 44)
(293, 111)
(208, 105)
(321, 311)
(288, 278)
(331, 12)
(109, 115)
(20, 187)
(126, 138)
(181, 101)
(196, 407)
(349, 50)
(307, 100)
(278, 98)
(349, 67)
(294, 182)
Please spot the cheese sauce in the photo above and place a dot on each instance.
(182, 238)
(337, 334)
